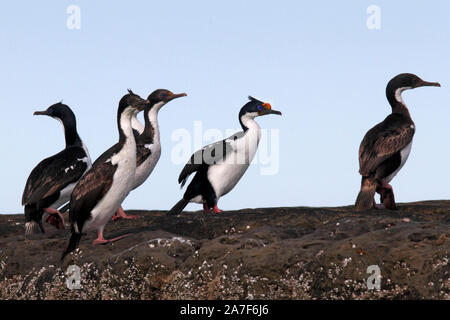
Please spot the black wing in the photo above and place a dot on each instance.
(142, 153)
(136, 134)
(54, 174)
(383, 141)
(208, 155)
(90, 190)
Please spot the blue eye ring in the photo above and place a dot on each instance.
(259, 107)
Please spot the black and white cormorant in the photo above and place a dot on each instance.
(386, 147)
(99, 193)
(148, 146)
(51, 182)
(219, 166)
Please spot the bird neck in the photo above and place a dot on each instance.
(151, 129)
(248, 123)
(71, 135)
(396, 101)
(125, 129)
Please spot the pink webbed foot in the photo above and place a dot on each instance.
(216, 209)
(101, 240)
(54, 218)
(120, 214)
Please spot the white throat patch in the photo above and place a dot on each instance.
(159, 105)
(125, 122)
(249, 117)
(398, 94)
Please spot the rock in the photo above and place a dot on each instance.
(271, 253)
(420, 236)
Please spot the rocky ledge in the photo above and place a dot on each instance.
(270, 253)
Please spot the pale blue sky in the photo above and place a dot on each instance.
(315, 61)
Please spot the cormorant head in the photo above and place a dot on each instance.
(406, 81)
(131, 103)
(160, 97)
(59, 111)
(255, 108)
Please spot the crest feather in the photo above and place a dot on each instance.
(254, 99)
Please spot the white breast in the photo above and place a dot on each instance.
(122, 182)
(404, 154)
(225, 175)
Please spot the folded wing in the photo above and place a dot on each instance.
(211, 154)
(90, 190)
(383, 141)
(54, 174)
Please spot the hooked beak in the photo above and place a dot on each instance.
(141, 105)
(41, 113)
(175, 96)
(274, 112)
(268, 110)
(428, 84)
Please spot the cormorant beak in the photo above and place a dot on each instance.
(274, 112)
(174, 96)
(267, 109)
(141, 106)
(41, 113)
(428, 84)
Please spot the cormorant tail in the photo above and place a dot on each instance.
(366, 195)
(73, 243)
(176, 210)
(33, 217)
